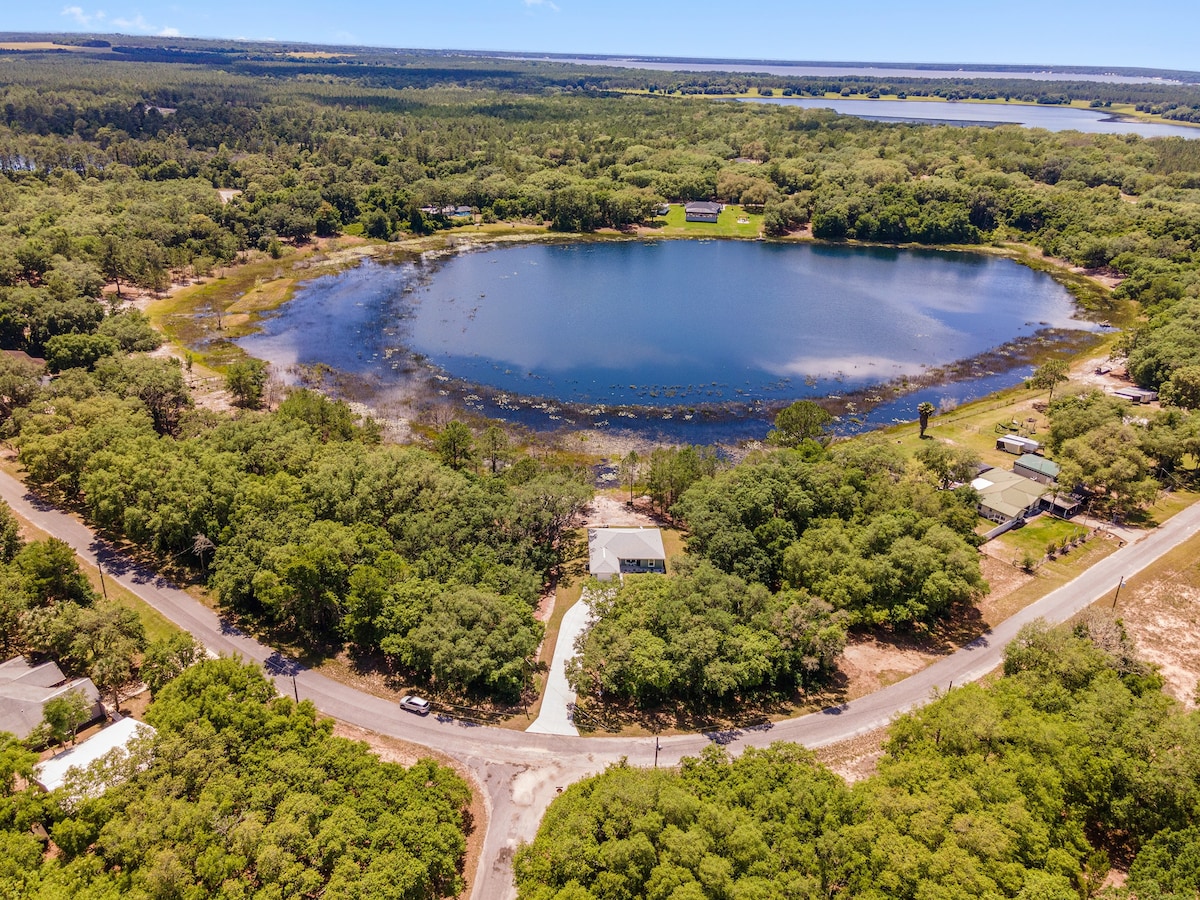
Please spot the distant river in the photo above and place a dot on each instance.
(1052, 118)
(673, 330)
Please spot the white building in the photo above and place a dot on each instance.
(114, 739)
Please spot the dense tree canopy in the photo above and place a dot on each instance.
(239, 794)
(303, 522)
(855, 526)
(703, 635)
(1017, 790)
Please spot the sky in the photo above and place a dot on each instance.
(1148, 33)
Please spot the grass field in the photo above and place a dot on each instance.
(1037, 535)
(732, 222)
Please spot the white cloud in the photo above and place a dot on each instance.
(139, 25)
(81, 17)
(549, 4)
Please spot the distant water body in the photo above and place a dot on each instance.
(694, 339)
(1052, 118)
(818, 71)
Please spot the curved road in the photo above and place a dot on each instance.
(521, 771)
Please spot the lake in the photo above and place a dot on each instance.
(693, 339)
(826, 70)
(1052, 118)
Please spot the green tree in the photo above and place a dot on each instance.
(1183, 388)
(78, 351)
(62, 716)
(20, 381)
(494, 446)
(246, 380)
(52, 574)
(924, 411)
(1049, 375)
(456, 445)
(803, 421)
(166, 658)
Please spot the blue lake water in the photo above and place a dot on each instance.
(823, 70)
(700, 334)
(1052, 118)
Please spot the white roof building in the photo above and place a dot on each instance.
(613, 552)
(114, 739)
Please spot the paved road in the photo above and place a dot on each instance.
(522, 771)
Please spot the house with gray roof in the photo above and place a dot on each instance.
(615, 552)
(25, 690)
(701, 211)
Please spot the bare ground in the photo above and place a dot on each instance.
(856, 758)
(1163, 617)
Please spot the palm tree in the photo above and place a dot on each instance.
(925, 410)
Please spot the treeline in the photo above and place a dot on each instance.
(110, 168)
(302, 523)
(1033, 787)
(239, 794)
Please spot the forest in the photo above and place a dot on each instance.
(1036, 786)
(303, 523)
(249, 795)
(428, 560)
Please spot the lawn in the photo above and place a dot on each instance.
(732, 222)
(1039, 534)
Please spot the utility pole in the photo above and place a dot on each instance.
(1118, 593)
(100, 566)
(656, 746)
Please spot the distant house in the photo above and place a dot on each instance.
(114, 739)
(1136, 394)
(449, 212)
(1014, 443)
(662, 209)
(1037, 468)
(1004, 496)
(701, 211)
(25, 690)
(614, 552)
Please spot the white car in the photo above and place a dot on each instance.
(418, 705)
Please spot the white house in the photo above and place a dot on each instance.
(114, 739)
(613, 552)
(701, 211)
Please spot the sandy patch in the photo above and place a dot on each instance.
(1163, 618)
(869, 665)
(606, 510)
(855, 759)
